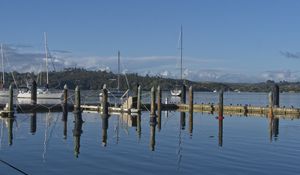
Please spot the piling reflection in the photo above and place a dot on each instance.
(220, 134)
(77, 131)
(139, 126)
(191, 123)
(273, 128)
(64, 119)
(159, 119)
(33, 123)
(182, 120)
(104, 129)
(10, 121)
(152, 132)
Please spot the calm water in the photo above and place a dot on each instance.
(127, 145)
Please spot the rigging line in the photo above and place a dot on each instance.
(15, 82)
(15, 168)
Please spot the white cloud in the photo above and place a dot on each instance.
(166, 66)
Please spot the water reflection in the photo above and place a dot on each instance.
(127, 121)
(182, 120)
(220, 133)
(273, 127)
(64, 119)
(77, 131)
(104, 129)
(152, 131)
(33, 123)
(191, 123)
(10, 120)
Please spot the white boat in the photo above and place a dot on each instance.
(3, 92)
(116, 93)
(42, 93)
(177, 91)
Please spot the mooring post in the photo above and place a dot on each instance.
(271, 105)
(10, 107)
(77, 100)
(104, 100)
(159, 108)
(183, 94)
(152, 120)
(158, 98)
(152, 110)
(275, 92)
(221, 104)
(65, 102)
(33, 93)
(191, 99)
(139, 99)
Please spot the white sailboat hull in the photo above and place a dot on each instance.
(44, 95)
(176, 92)
(4, 93)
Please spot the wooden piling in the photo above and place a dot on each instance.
(139, 99)
(275, 92)
(77, 104)
(183, 94)
(158, 98)
(220, 110)
(191, 99)
(65, 101)
(152, 110)
(10, 107)
(104, 100)
(271, 105)
(34, 93)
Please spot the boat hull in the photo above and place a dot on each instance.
(175, 92)
(48, 95)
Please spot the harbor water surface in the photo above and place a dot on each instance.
(50, 143)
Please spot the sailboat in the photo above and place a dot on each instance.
(3, 92)
(42, 93)
(117, 93)
(177, 90)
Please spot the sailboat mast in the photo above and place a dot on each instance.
(181, 53)
(2, 56)
(46, 52)
(118, 70)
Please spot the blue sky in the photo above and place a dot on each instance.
(229, 40)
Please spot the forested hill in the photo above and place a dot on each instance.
(94, 80)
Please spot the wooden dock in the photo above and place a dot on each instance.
(133, 105)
